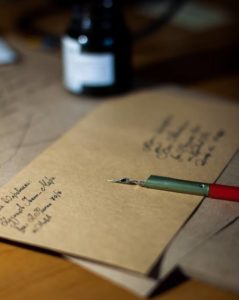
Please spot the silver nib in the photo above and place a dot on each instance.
(127, 181)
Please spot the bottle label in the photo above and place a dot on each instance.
(85, 69)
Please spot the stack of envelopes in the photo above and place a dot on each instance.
(134, 236)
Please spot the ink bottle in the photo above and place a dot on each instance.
(97, 50)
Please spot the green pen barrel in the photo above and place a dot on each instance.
(176, 185)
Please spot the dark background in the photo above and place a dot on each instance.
(170, 53)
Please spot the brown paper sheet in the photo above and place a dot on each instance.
(134, 282)
(216, 260)
(65, 189)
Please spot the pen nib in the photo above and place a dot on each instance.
(126, 181)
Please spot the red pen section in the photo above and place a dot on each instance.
(219, 191)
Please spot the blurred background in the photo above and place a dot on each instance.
(179, 42)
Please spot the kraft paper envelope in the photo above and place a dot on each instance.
(63, 201)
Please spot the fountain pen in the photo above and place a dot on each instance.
(215, 191)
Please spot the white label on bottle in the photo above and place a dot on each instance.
(81, 69)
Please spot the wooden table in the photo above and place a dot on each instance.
(28, 274)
